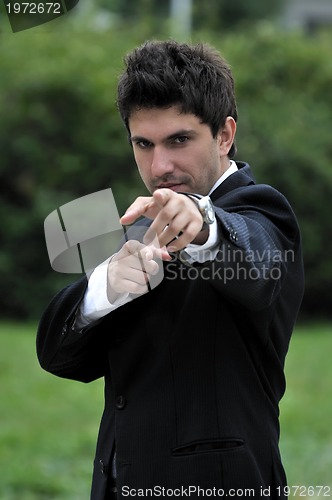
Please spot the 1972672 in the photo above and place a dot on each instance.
(304, 491)
(34, 8)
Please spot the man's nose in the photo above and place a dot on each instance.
(161, 162)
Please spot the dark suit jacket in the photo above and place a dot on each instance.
(194, 369)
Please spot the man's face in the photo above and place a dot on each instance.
(176, 151)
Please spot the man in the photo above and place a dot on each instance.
(193, 366)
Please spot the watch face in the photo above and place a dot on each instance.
(207, 210)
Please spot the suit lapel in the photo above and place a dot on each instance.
(243, 177)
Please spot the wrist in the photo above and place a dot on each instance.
(204, 205)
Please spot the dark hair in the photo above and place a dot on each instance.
(165, 73)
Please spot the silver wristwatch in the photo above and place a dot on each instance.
(204, 205)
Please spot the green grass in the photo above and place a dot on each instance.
(306, 409)
(48, 425)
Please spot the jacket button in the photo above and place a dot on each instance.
(120, 402)
(233, 235)
(103, 467)
(64, 330)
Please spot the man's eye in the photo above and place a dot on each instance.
(143, 144)
(181, 139)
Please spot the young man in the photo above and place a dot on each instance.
(193, 366)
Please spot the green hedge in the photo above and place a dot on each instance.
(61, 137)
(284, 86)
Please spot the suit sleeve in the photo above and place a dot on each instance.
(64, 351)
(260, 245)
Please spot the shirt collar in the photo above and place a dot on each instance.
(231, 170)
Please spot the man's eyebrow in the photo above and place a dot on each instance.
(180, 133)
(174, 135)
(137, 138)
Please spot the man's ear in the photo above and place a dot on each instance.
(226, 135)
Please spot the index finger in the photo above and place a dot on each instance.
(136, 210)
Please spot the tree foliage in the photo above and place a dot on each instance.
(61, 137)
(213, 15)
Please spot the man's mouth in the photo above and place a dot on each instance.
(172, 186)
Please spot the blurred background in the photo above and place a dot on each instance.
(61, 138)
